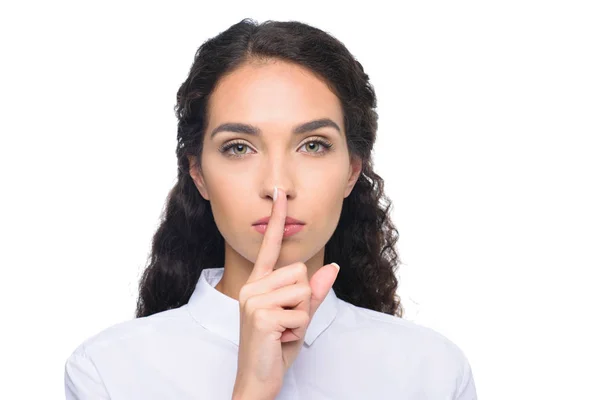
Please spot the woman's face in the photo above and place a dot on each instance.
(239, 170)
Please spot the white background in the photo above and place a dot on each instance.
(488, 144)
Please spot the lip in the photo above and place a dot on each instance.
(288, 221)
(288, 230)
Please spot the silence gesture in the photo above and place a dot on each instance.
(276, 307)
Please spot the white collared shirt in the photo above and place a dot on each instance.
(191, 352)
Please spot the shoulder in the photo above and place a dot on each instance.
(400, 336)
(134, 331)
(103, 355)
(412, 358)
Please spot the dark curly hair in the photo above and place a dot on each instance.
(187, 240)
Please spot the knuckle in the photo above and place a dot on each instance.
(250, 304)
(244, 294)
(301, 268)
(260, 319)
(305, 291)
(304, 319)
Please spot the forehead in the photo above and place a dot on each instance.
(273, 93)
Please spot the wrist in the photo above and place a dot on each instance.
(242, 392)
(250, 396)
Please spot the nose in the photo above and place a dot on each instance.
(277, 171)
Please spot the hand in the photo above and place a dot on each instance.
(276, 307)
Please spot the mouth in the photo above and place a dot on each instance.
(288, 230)
(288, 221)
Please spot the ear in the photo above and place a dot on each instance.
(197, 177)
(354, 172)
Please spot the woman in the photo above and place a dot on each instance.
(242, 297)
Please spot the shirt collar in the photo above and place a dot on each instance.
(220, 314)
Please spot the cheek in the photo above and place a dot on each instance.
(324, 182)
(325, 189)
(228, 202)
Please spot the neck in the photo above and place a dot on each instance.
(238, 269)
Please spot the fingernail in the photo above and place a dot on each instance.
(336, 265)
(275, 194)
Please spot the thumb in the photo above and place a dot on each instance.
(320, 283)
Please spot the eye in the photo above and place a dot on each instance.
(239, 146)
(315, 143)
(236, 146)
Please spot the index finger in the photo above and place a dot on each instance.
(271, 244)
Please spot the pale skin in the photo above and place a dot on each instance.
(279, 282)
(274, 97)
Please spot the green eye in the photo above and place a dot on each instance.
(314, 145)
(239, 146)
(236, 146)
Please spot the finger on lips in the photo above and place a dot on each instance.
(271, 244)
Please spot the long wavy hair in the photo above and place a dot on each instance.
(188, 241)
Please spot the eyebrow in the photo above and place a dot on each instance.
(253, 130)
